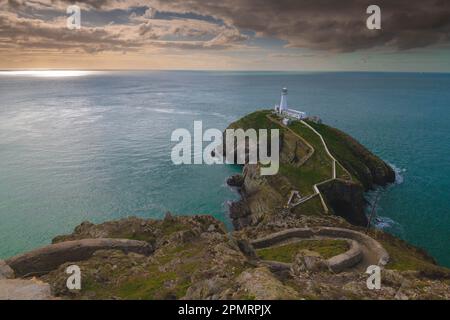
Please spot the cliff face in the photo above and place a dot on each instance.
(259, 195)
(347, 200)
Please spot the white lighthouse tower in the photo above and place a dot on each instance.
(283, 108)
(283, 103)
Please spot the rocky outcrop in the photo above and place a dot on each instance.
(236, 180)
(5, 271)
(46, 259)
(261, 284)
(307, 261)
(259, 198)
(194, 258)
(240, 214)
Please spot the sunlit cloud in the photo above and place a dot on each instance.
(250, 34)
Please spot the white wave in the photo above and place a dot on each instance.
(388, 224)
(398, 173)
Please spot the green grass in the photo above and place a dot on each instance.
(286, 253)
(404, 256)
(320, 154)
(402, 259)
(310, 208)
(317, 169)
(304, 178)
(256, 120)
(344, 149)
(341, 173)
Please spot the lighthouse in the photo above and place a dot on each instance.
(283, 109)
(283, 103)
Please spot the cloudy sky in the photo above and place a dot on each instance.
(302, 35)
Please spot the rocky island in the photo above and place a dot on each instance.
(300, 234)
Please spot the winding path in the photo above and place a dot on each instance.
(308, 156)
(333, 159)
(364, 250)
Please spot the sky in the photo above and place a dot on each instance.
(285, 35)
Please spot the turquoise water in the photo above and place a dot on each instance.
(97, 147)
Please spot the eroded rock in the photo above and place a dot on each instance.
(261, 284)
(5, 271)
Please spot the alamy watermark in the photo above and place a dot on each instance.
(73, 22)
(74, 280)
(374, 20)
(240, 147)
(374, 280)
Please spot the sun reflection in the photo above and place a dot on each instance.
(47, 73)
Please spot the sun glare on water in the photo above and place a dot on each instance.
(47, 73)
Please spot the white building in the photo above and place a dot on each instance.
(283, 109)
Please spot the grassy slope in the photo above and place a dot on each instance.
(286, 253)
(317, 169)
(344, 147)
(404, 256)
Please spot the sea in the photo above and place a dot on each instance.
(77, 146)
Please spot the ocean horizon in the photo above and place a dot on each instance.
(96, 146)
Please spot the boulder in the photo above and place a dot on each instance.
(5, 271)
(205, 289)
(308, 261)
(236, 180)
(261, 284)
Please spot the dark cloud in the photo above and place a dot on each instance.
(330, 24)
